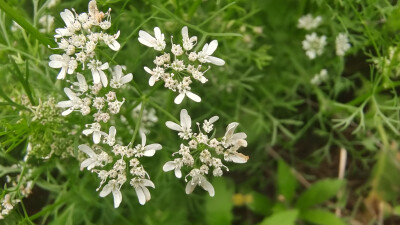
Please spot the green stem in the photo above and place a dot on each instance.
(138, 123)
(164, 111)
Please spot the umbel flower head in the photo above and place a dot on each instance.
(314, 45)
(202, 154)
(78, 40)
(179, 68)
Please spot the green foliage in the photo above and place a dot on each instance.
(285, 218)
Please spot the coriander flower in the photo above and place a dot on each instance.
(118, 78)
(184, 128)
(70, 22)
(208, 124)
(175, 165)
(95, 130)
(114, 187)
(314, 45)
(320, 77)
(188, 42)
(81, 84)
(72, 104)
(66, 63)
(157, 43)
(184, 92)
(342, 44)
(110, 138)
(230, 138)
(94, 159)
(97, 68)
(198, 179)
(204, 56)
(307, 22)
(140, 186)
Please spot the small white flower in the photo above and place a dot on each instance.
(81, 84)
(111, 41)
(307, 22)
(114, 187)
(178, 99)
(72, 104)
(157, 43)
(110, 138)
(97, 68)
(188, 42)
(320, 77)
(342, 44)
(174, 165)
(230, 138)
(184, 128)
(142, 192)
(156, 73)
(208, 124)
(94, 159)
(148, 150)
(69, 20)
(119, 79)
(64, 62)
(198, 179)
(314, 45)
(95, 130)
(204, 56)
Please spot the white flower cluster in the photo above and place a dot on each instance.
(202, 154)
(79, 38)
(342, 44)
(313, 44)
(15, 184)
(149, 118)
(308, 22)
(108, 159)
(320, 77)
(111, 162)
(178, 70)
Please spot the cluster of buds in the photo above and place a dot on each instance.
(203, 154)
(178, 68)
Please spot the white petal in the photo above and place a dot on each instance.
(104, 66)
(168, 166)
(87, 131)
(96, 76)
(152, 81)
(173, 126)
(185, 33)
(193, 96)
(71, 95)
(56, 64)
(213, 119)
(148, 70)
(147, 183)
(155, 147)
(86, 149)
(103, 78)
(146, 39)
(230, 129)
(127, 78)
(81, 79)
(157, 33)
(114, 45)
(215, 60)
(189, 187)
(143, 135)
(67, 112)
(112, 131)
(117, 197)
(146, 193)
(179, 98)
(178, 173)
(106, 190)
(186, 121)
(239, 158)
(212, 47)
(238, 136)
(149, 152)
(64, 104)
(87, 162)
(68, 17)
(207, 186)
(96, 137)
(140, 195)
(62, 73)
